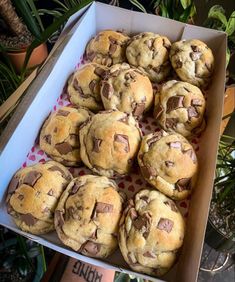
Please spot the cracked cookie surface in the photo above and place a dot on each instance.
(33, 194)
(84, 86)
(126, 89)
(179, 107)
(150, 52)
(151, 231)
(193, 61)
(59, 136)
(168, 162)
(87, 215)
(109, 143)
(107, 48)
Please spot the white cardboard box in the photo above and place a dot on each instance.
(24, 126)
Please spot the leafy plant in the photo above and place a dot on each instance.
(217, 20)
(124, 277)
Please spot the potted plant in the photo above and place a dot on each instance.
(17, 35)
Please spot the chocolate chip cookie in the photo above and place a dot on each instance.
(87, 215)
(193, 61)
(179, 107)
(150, 233)
(169, 163)
(107, 48)
(33, 194)
(109, 143)
(150, 51)
(84, 86)
(126, 89)
(59, 137)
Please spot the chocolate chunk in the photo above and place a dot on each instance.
(28, 219)
(172, 205)
(32, 177)
(156, 136)
(158, 111)
(96, 144)
(174, 102)
(74, 188)
(91, 55)
(149, 43)
(169, 163)
(94, 235)
(107, 90)
(100, 72)
(55, 130)
(178, 64)
(183, 184)
(192, 112)
(77, 87)
(145, 198)
(21, 197)
(195, 48)
(63, 174)
(112, 48)
(113, 40)
(195, 55)
(171, 122)
(149, 255)
(13, 184)
(196, 102)
(133, 214)
(191, 154)
(115, 73)
(62, 113)
(148, 171)
(176, 145)
(142, 223)
(90, 248)
(64, 148)
(48, 138)
(121, 138)
(103, 207)
(50, 192)
(70, 212)
(138, 109)
(92, 85)
(165, 224)
(157, 69)
(59, 218)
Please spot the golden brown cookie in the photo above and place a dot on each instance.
(84, 86)
(107, 48)
(151, 232)
(110, 141)
(169, 163)
(59, 136)
(87, 215)
(193, 61)
(126, 89)
(179, 107)
(33, 194)
(150, 52)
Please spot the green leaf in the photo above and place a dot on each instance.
(164, 11)
(185, 3)
(23, 266)
(217, 12)
(231, 24)
(33, 252)
(185, 15)
(35, 13)
(24, 11)
(138, 5)
(227, 56)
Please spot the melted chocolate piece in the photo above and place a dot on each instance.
(107, 90)
(192, 112)
(183, 184)
(13, 185)
(59, 218)
(20, 197)
(90, 56)
(196, 102)
(138, 109)
(156, 136)
(50, 192)
(112, 48)
(96, 144)
(62, 113)
(47, 138)
(28, 219)
(179, 64)
(113, 40)
(75, 188)
(63, 174)
(195, 48)
(174, 102)
(176, 145)
(100, 72)
(64, 148)
(149, 255)
(172, 205)
(165, 224)
(191, 154)
(171, 122)
(148, 171)
(121, 138)
(195, 55)
(92, 85)
(103, 208)
(133, 214)
(32, 177)
(142, 223)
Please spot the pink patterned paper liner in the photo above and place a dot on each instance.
(129, 184)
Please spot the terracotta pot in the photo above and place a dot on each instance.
(38, 55)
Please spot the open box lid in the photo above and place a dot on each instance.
(23, 128)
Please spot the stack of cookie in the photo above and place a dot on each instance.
(109, 96)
